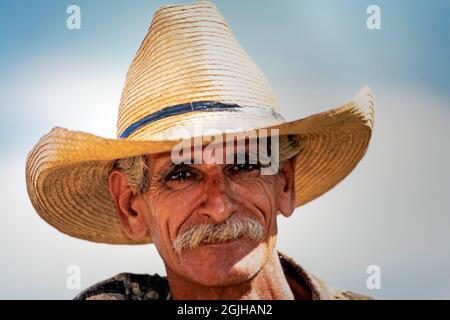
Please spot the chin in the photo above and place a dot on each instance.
(225, 264)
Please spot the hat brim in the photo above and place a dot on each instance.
(67, 171)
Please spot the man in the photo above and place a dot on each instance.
(203, 165)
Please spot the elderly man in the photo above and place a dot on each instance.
(203, 164)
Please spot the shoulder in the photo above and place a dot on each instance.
(319, 289)
(326, 292)
(349, 295)
(128, 286)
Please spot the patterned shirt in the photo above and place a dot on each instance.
(129, 286)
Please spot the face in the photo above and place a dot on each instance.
(184, 196)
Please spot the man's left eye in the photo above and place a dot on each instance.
(244, 167)
(179, 176)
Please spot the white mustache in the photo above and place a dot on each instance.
(207, 233)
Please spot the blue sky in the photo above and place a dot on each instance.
(329, 36)
(304, 43)
(316, 54)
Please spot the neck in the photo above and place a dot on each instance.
(268, 284)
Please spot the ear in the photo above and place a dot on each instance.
(132, 221)
(286, 192)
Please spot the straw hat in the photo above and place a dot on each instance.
(189, 70)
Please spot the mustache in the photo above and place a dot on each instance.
(231, 229)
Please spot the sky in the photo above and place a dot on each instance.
(392, 211)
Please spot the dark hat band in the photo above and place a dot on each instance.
(194, 107)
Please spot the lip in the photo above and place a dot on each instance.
(216, 244)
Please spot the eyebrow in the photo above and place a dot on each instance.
(246, 155)
(169, 166)
(229, 159)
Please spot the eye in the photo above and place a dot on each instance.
(179, 176)
(244, 168)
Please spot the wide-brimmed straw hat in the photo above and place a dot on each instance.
(189, 70)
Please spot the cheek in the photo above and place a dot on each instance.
(258, 192)
(171, 208)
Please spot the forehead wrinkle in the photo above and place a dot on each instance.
(160, 165)
(163, 163)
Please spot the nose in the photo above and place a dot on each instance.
(218, 204)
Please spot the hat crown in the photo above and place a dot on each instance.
(190, 55)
